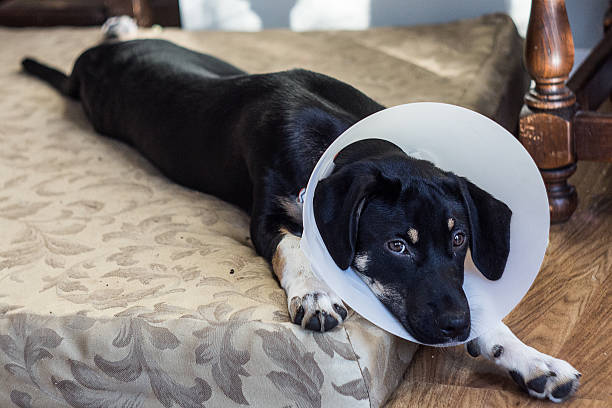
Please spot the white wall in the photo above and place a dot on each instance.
(585, 15)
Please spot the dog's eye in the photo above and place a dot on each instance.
(458, 239)
(398, 246)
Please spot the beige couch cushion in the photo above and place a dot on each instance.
(120, 288)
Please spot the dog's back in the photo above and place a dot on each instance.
(170, 102)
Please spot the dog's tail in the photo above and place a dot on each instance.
(52, 76)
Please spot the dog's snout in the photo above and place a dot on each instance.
(455, 325)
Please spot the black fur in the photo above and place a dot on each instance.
(253, 140)
(210, 126)
(374, 196)
(490, 230)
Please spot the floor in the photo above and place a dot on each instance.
(567, 313)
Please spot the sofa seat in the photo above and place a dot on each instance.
(119, 288)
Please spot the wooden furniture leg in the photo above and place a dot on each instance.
(23, 13)
(592, 83)
(558, 124)
(139, 9)
(545, 126)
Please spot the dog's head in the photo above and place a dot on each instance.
(405, 227)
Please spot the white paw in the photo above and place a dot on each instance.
(543, 376)
(119, 27)
(311, 303)
(314, 306)
(539, 374)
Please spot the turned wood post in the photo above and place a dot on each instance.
(139, 9)
(545, 127)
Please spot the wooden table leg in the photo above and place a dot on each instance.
(545, 127)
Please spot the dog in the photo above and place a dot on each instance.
(404, 225)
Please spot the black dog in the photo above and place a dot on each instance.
(403, 224)
(253, 140)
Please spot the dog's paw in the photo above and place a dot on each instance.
(539, 374)
(544, 376)
(316, 308)
(119, 27)
(311, 303)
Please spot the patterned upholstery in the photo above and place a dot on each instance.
(119, 288)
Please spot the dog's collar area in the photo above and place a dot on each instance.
(300, 196)
(465, 142)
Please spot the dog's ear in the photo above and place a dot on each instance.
(338, 201)
(490, 229)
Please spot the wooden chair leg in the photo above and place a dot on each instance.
(139, 9)
(545, 127)
(591, 82)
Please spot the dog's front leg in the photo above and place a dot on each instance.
(539, 374)
(312, 304)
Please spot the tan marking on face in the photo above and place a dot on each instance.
(413, 235)
(377, 287)
(382, 291)
(451, 223)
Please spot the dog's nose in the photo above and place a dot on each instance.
(455, 325)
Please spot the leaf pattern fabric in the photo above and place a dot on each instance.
(119, 288)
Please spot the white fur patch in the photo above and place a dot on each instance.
(119, 28)
(378, 288)
(303, 288)
(294, 266)
(361, 261)
(527, 361)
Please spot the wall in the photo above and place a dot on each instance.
(585, 15)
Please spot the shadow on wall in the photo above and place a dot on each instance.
(230, 15)
(585, 16)
(402, 12)
(300, 15)
(273, 13)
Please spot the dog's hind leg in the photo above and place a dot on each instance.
(539, 374)
(312, 304)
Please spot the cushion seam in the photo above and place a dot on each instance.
(365, 384)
